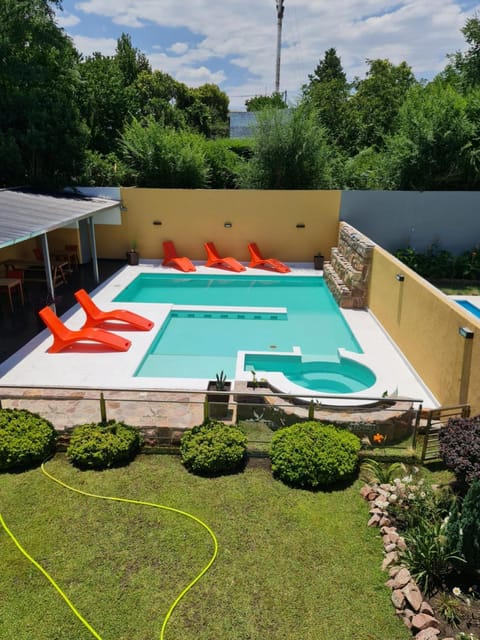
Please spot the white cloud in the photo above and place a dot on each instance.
(179, 48)
(243, 33)
(68, 20)
(87, 45)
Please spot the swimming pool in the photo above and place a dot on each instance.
(214, 318)
(469, 307)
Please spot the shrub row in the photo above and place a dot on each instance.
(307, 455)
(27, 439)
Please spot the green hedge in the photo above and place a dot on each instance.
(213, 448)
(311, 454)
(103, 445)
(26, 439)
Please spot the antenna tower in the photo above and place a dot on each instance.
(280, 10)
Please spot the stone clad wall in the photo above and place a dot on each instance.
(347, 274)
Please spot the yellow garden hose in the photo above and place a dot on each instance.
(115, 499)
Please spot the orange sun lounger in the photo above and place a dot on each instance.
(64, 337)
(214, 260)
(257, 260)
(170, 257)
(96, 316)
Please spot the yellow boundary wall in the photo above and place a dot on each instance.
(192, 217)
(425, 323)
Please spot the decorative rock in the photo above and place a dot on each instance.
(413, 595)
(390, 547)
(426, 608)
(374, 520)
(392, 572)
(365, 490)
(384, 521)
(401, 544)
(389, 559)
(423, 620)
(428, 634)
(402, 578)
(398, 599)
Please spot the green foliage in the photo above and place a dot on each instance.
(436, 263)
(432, 145)
(289, 152)
(224, 165)
(220, 381)
(377, 472)
(108, 170)
(213, 448)
(39, 86)
(159, 156)
(312, 454)
(26, 439)
(377, 100)
(449, 608)
(428, 555)
(260, 103)
(463, 528)
(103, 445)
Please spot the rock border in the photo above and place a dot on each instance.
(408, 600)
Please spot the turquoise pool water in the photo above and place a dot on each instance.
(201, 342)
(469, 307)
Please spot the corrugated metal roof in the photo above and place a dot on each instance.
(25, 215)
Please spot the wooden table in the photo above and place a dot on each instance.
(10, 284)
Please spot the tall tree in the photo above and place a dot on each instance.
(131, 61)
(377, 99)
(464, 68)
(327, 95)
(41, 133)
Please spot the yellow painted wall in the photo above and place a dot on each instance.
(192, 217)
(425, 324)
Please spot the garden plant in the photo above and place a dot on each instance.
(26, 439)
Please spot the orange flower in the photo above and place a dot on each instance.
(378, 438)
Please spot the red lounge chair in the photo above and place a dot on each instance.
(64, 337)
(96, 316)
(214, 260)
(258, 261)
(170, 257)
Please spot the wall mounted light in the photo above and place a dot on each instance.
(465, 332)
(400, 277)
(157, 223)
(227, 225)
(300, 225)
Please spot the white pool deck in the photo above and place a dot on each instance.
(33, 366)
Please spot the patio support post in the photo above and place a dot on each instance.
(48, 269)
(93, 245)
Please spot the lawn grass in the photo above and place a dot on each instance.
(458, 287)
(291, 563)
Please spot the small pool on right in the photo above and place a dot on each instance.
(469, 306)
(343, 376)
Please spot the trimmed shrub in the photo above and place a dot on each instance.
(312, 454)
(460, 448)
(103, 445)
(26, 439)
(213, 448)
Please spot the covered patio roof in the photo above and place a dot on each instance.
(25, 214)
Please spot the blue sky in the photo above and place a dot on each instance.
(232, 43)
